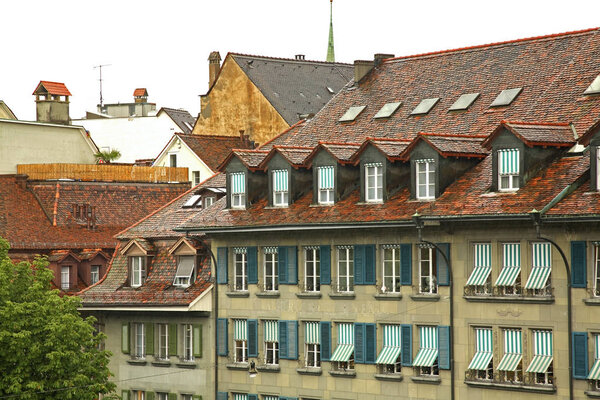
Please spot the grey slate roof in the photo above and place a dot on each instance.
(180, 117)
(295, 87)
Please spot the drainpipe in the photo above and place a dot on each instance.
(537, 222)
(419, 225)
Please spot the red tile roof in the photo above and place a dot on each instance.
(214, 149)
(536, 133)
(342, 152)
(252, 159)
(391, 148)
(140, 92)
(54, 88)
(451, 145)
(295, 155)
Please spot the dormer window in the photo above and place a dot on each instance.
(374, 183)
(238, 190)
(508, 169)
(425, 176)
(185, 271)
(326, 184)
(280, 187)
(138, 270)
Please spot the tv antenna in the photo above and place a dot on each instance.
(100, 69)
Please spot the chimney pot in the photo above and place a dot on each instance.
(299, 56)
(214, 66)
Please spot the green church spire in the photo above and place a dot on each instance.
(330, 51)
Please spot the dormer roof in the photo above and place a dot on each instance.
(88, 254)
(59, 256)
(468, 146)
(536, 133)
(250, 158)
(341, 152)
(145, 246)
(54, 88)
(392, 149)
(295, 155)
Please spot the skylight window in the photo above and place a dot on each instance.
(506, 97)
(425, 106)
(464, 101)
(192, 201)
(352, 113)
(594, 88)
(387, 110)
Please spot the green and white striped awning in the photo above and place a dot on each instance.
(542, 266)
(267, 397)
(542, 358)
(483, 264)
(240, 396)
(325, 177)
(391, 345)
(240, 329)
(483, 353)
(280, 180)
(513, 352)
(428, 351)
(238, 184)
(271, 332)
(509, 161)
(312, 333)
(511, 254)
(595, 371)
(345, 346)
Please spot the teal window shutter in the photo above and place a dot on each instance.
(292, 259)
(370, 340)
(222, 345)
(125, 394)
(282, 260)
(359, 264)
(252, 338)
(325, 260)
(406, 264)
(172, 339)
(406, 343)
(369, 265)
(149, 328)
(288, 340)
(125, 338)
(444, 347)
(283, 339)
(222, 265)
(252, 254)
(252, 396)
(325, 328)
(578, 264)
(222, 396)
(359, 343)
(442, 266)
(197, 340)
(580, 355)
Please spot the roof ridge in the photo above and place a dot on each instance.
(493, 44)
(300, 122)
(534, 123)
(387, 139)
(339, 143)
(453, 135)
(209, 136)
(285, 59)
(252, 151)
(283, 146)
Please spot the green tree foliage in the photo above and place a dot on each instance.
(108, 156)
(47, 350)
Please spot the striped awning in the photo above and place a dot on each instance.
(542, 357)
(483, 349)
(428, 351)
(267, 397)
(240, 396)
(345, 346)
(513, 352)
(271, 332)
(325, 177)
(542, 266)
(280, 180)
(511, 254)
(595, 371)
(509, 161)
(391, 345)
(240, 329)
(238, 184)
(483, 265)
(312, 333)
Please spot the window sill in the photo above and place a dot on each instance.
(511, 299)
(268, 294)
(186, 364)
(546, 389)
(431, 380)
(137, 361)
(238, 366)
(425, 297)
(389, 377)
(592, 393)
(388, 296)
(268, 368)
(342, 296)
(309, 295)
(343, 374)
(240, 293)
(161, 363)
(309, 371)
(594, 301)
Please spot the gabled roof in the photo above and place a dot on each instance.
(142, 244)
(295, 155)
(88, 254)
(536, 133)
(250, 158)
(54, 88)
(182, 118)
(587, 136)
(59, 256)
(214, 149)
(392, 149)
(6, 112)
(140, 92)
(451, 145)
(342, 152)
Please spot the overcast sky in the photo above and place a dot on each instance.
(164, 45)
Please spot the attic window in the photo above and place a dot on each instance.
(387, 110)
(193, 201)
(594, 88)
(238, 190)
(185, 270)
(352, 113)
(464, 101)
(425, 106)
(506, 97)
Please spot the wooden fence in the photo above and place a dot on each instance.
(104, 172)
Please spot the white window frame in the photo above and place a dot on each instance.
(173, 160)
(391, 257)
(427, 282)
(185, 280)
(434, 370)
(138, 270)
(196, 178)
(186, 396)
(138, 395)
(162, 396)
(272, 353)
(65, 276)
(139, 340)
(345, 269)
(238, 200)
(314, 350)
(163, 341)
(208, 201)
(241, 351)
(486, 288)
(325, 196)
(280, 197)
(425, 178)
(240, 271)
(271, 272)
(596, 270)
(188, 342)
(94, 274)
(511, 181)
(312, 269)
(374, 183)
(543, 378)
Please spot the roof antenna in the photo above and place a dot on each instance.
(100, 68)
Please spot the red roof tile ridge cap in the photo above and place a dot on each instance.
(339, 143)
(453, 135)
(284, 146)
(494, 44)
(284, 132)
(251, 151)
(509, 122)
(285, 59)
(61, 84)
(105, 274)
(380, 139)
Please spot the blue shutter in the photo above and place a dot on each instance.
(292, 259)
(292, 342)
(221, 395)
(325, 260)
(252, 338)
(283, 339)
(282, 260)
(222, 265)
(369, 264)
(580, 355)
(325, 340)
(252, 254)
(359, 264)
(222, 336)
(406, 339)
(406, 264)
(252, 396)
(442, 267)
(578, 264)
(359, 343)
(444, 347)
(370, 343)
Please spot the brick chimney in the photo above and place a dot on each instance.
(379, 57)
(214, 66)
(52, 102)
(362, 68)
